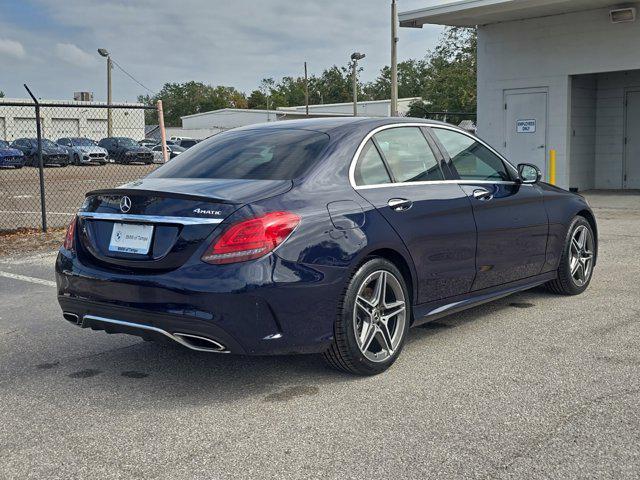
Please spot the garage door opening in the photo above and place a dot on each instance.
(605, 131)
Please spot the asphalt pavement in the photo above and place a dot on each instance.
(531, 386)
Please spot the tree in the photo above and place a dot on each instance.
(451, 69)
(1, 94)
(411, 79)
(180, 99)
(257, 99)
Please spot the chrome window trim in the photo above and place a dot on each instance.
(125, 217)
(352, 166)
(438, 182)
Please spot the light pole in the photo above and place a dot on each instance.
(104, 53)
(355, 56)
(394, 59)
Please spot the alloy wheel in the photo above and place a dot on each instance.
(581, 255)
(379, 316)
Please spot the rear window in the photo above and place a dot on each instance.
(248, 154)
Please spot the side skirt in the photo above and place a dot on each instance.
(426, 312)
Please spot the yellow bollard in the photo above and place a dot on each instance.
(552, 167)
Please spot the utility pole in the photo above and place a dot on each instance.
(306, 89)
(103, 52)
(394, 59)
(355, 56)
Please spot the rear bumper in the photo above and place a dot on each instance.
(262, 307)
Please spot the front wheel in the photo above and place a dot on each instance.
(373, 320)
(577, 260)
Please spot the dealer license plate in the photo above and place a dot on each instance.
(131, 238)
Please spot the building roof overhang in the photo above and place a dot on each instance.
(469, 13)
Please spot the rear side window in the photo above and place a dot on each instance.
(370, 169)
(471, 159)
(408, 155)
(249, 154)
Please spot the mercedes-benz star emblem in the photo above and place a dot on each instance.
(125, 204)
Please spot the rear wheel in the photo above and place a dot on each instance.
(373, 320)
(577, 260)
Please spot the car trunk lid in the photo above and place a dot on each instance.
(158, 224)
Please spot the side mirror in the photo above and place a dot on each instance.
(529, 173)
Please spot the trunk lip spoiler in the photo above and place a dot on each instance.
(126, 217)
(118, 192)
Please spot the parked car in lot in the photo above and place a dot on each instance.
(148, 142)
(187, 142)
(322, 235)
(83, 151)
(52, 153)
(173, 151)
(126, 150)
(10, 157)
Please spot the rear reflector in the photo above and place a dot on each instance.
(252, 238)
(68, 238)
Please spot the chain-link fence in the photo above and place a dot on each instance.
(466, 120)
(82, 147)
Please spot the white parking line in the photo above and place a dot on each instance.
(24, 278)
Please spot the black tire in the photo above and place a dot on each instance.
(344, 353)
(76, 159)
(565, 283)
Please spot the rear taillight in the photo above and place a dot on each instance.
(68, 238)
(252, 238)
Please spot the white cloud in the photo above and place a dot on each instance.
(235, 43)
(74, 55)
(11, 48)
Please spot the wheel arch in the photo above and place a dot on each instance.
(402, 264)
(589, 217)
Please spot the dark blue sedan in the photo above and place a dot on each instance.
(10, 157)
(329, 236)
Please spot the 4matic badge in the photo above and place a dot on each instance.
(207, 212)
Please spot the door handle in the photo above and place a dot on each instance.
(482, 194)
(400, 204)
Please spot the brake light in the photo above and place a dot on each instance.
(68, 238)
(252, 238)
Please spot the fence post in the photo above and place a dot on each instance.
(163, 133)
(43, 207)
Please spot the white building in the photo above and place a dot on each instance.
(75, 119)
(205, 124)
(366, 108)
(555, 75)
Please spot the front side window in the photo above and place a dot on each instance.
(408, 155)
(272, 154)
(471, 159)
(370, 169)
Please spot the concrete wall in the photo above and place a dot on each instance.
(583, 132)
(544, 52)
(610, 126)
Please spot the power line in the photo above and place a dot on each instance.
(133, 78)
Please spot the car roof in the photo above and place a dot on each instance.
(327, 125)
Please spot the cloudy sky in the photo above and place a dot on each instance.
(51, 44)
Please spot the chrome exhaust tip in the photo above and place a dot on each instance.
(196, 342)
(71, 317)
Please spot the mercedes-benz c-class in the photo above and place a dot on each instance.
(330, 236)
